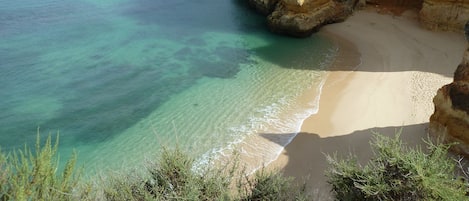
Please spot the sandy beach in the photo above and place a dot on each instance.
(384, 79)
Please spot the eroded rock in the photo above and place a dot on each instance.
(446, 15)
(300, 18)
(264, 7)
(450, 121)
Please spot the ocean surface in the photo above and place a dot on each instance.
(119, 79)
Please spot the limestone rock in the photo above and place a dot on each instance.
(450, 121)
(399, 3)
(300, 18)
(446, 15)
(264, 7)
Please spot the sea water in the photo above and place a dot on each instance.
(119, 79)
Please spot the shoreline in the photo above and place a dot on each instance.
(401, 66)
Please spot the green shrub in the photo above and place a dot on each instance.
(397, 172)
(171, 178)
(271, 186)
(33, 176)
(27, 175)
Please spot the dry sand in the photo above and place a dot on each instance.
(384, 79)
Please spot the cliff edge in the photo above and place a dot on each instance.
(450, 120)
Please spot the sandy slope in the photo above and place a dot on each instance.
(399, 71)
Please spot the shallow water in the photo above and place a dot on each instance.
(120, 78)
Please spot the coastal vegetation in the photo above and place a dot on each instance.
(33, 175)
(396, 172)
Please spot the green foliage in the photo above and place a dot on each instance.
(171, 178)
(397, 172)
(28, 176)
(271, 186)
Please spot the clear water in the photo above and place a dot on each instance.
(120, 78)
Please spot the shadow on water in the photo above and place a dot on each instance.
(293, 53)
(185, 18)
(307, 152)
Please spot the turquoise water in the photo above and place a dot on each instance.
(120, 78)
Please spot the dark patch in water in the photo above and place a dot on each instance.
(99, 98)
(97, 56)
(189, 18)
(196, 42)
(184, 53)
(114, 100)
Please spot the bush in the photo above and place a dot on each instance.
(33, 176)
(172, 178)
(26, 175)
(397, 172)
(271, 186)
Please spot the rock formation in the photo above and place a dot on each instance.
(264, 7)
(300, 18)
(446, 15)
(450, 121)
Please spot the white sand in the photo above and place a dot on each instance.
(402, 67)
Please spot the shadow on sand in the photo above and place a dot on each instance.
(306, 154)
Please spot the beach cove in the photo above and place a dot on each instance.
(400, 67)
(121, 79)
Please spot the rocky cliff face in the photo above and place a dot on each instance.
(450, 120)
(446, 15)
(263, 6)
(300, 18)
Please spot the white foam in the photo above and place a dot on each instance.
(270, 118)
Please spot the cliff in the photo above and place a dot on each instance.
(264, 7)
(450, 120)
(446, 15)
(395, 7)
(300, 18)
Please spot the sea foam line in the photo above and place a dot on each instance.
(271, 118)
